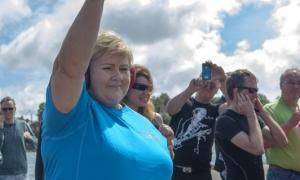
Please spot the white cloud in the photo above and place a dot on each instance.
(182, 35)
(13, 10)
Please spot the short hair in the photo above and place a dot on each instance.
(109, 44)
(6, 99)
(287, 72)
(237, 79)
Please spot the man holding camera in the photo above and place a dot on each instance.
(193, 121)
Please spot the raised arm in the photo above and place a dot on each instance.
(272, 132)
(175, 104)
(75, 54)
(253, 141)
(286, 128)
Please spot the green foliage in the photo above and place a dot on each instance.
(40, 110)
(263, 99)
(166, 117)
(161, 101)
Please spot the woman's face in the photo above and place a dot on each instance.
(109, 78)
(139, 94)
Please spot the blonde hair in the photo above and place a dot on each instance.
(109, 43)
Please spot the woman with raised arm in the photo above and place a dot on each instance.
(87, 133)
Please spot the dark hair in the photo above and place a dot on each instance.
(237, 79)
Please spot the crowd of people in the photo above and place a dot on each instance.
(99, 120)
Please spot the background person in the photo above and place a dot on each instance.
(87, 132)
(284, 162)
(193, 122)
(139, 99)
(239, 135)
(13, 134)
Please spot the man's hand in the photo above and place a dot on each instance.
(244, 105)
(295, 119)
(218, 73)
(27, 135)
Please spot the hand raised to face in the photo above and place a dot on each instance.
(243, 104)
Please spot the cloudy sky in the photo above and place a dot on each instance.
(171, 37)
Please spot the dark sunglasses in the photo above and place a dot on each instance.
(250, 89)
(7, 109)
(140, 87)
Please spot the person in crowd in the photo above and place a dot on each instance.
(13, 134)
(193, 122)
(87, 132)
(2, 137)
(139, 99)
(284, 162)
(219, 164)
(239, 135)
(39, 165)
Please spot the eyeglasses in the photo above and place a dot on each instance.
(7, 109)
(292, 83)
(250, 89)
(140, 87)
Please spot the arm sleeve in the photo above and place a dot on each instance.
(226, 127)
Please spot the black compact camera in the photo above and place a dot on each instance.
(206, 71)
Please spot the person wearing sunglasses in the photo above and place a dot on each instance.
(13, 134)
(139, 99)
(242, 128)
(193, 122)
(87, 131)
(284, 162)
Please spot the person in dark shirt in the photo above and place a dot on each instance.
(13, 134)
(193, 122)
(239, 134)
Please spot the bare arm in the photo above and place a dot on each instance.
(74, 57)
(291, 123)
(286, 128)
(253, 141)
(175, 104)
(273, 132)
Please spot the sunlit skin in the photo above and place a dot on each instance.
(138, 98)
(110, 78)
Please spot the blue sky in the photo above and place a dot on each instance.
(250, 23)
(171, 37)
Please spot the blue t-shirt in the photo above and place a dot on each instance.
(94, 141)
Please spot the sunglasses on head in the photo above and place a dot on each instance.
(7, 109)
(140, 87)
(250, 89)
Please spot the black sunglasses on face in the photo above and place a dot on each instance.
(140, 87)
(7, 109)
(250, 89)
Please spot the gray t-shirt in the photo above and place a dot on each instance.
(12, 146)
